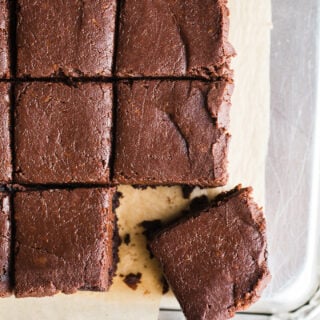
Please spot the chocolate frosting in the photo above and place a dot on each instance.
(5, 244)
(4, 39)
(5, 151)
(63, 133)
(73, 38)
(215, 260)
(173, 38)
(172, 132)
(63, 241)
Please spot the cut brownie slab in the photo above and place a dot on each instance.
(64, 241)
(173, 38)
(172, 132)
(5, 244)
(63, 133)
(215, 260)
(5, 151)
(4, 39)
(72, 38)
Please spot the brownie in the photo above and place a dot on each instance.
(216, 260)
(5, 151)
(4, 39)
(173, 38)
(5, 244)
(172, 132)
(64, 241)
(63, 133)
(71, 38)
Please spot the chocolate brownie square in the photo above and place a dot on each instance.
(216, 260)
(4, 39)
(5, 151)
(172, 132)
(5, 245)
(64, 241)
(63, 133)
(71, 38)
(173, 38)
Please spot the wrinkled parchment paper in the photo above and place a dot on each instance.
(250, 35)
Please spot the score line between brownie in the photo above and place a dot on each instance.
(172, 132)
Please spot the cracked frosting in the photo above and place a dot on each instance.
(172, 132)
(72, 38)
(5, 152)
(5, 244)
(174, 38)
(4, 40)
(63, 241)
(63, 133)
(216, 260)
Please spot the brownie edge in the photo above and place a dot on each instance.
(5, 245)
(216, 260)
(4, 39)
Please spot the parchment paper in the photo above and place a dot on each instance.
(249, 33)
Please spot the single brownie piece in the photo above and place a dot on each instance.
(4, 39)
(72, 38)
(63, 133)
(172, 132)
(64, 241)
(5, 244)
(5, 151)
(173, 38)
(216, 260)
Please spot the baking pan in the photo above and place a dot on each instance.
(292, 167)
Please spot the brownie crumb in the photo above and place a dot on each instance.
(126, 239)
(116, 200)
(132, 280)
(199, 204)
(186, 191)
(150, 227)
(139, 186)
(165, 285)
